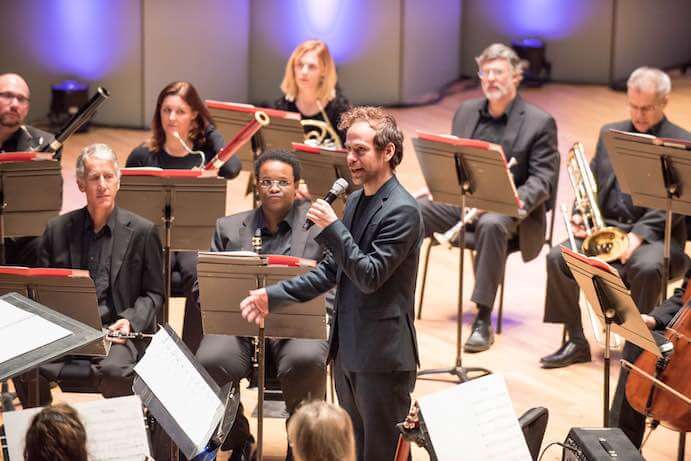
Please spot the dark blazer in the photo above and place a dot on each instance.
(373, 263)
(531, 138)
(647, 222)
(136, 268)
(21, 141)
(234, 233)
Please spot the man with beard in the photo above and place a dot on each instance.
(17, 137)
(527, 134)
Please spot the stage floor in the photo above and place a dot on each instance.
(573, 395)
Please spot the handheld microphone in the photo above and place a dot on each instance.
(339, 187)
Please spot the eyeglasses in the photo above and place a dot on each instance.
(483, 74)
(8, 96)
(642, 109)
(268, 183)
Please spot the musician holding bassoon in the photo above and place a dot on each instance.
(122, 252)
(640, 231)
(526, 134)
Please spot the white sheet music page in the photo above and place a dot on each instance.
(474, 420)
(181, 389)
(114, 429)
(22, 331)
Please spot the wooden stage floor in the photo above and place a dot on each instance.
(573, 395)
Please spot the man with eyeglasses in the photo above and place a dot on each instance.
(641, 264)
(527, 134)
(17, 137)
(300, 363)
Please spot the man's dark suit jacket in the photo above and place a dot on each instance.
(373, 263)
(234, 233)
(24, 142)
(531, 138)
(136, 268)
(648, 223)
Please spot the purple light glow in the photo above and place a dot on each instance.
(548, 19)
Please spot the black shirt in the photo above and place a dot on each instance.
(142, 156)
(334, 109)
(362, 207)
(280, 242)
(489, 128)
(97, 252)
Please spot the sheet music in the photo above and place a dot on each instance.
(14, 325)
(474, 420)
(181, 389)
(114, 429)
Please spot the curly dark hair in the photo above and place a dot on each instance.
(56, 434)
(279, 155)
(387, 131)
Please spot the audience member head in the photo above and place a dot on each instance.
(14, 101)
(179, 109)
(379, 129)
(321, 431)
(647, 93)
(56, 434)
(98, 176)
(277, 173)
(310, 68)
(500, 71)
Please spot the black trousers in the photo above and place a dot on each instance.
(300, 366)
(112, 375)
(489, 237)
(622, 415)
(376, 402)
(642, 273)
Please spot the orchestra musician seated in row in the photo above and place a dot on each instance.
(321, 431)
(15, 136)
(56, 434)
(300, 363)
(122, 252)
(640, 264)
(310, 87)
(182, 128)
(622, 414)
(527, 134)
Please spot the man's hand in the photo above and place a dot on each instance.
(255, 307)
(649, 321)
(634, 242)
(121, 326)
(321, 213)
(577, 226)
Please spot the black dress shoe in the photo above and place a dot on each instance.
(245, 452)
(481, 338)
(568, 354)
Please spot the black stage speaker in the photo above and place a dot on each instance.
(599, 444)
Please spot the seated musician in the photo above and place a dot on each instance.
(525, 133)
(300, 363)
(17, 137)
(622, 415)
(182, 128)
(122, 253)
(309, 87)
(640, 265)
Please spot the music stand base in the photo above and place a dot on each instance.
(462, 373)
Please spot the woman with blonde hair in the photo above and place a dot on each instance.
(310, 86)
(321, 431)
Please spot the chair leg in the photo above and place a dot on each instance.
(500, 314)
(332, 385)
(425, 266)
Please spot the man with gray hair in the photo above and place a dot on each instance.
(123, 254)
(526, 134)
(641, 264)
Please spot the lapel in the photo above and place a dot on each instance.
(122, 234)
(298, 236)
(245, 230)
(75, 244)
(468, 126)
(513, 127)
(378, 202)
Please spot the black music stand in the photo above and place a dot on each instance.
(23, 212)
(466, 173)
(613, 306)
(183, 204)
(653, 172)
(225, 280)
(159, 405)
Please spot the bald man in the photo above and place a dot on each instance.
(17, 137)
